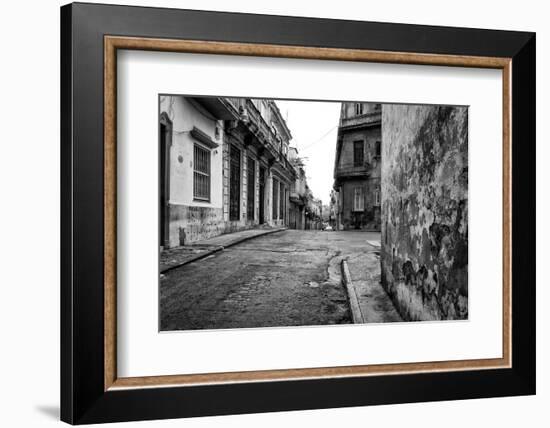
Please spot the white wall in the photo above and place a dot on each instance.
(29, 226)
(184, 117)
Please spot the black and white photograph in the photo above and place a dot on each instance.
(278, 213)
(255, 214)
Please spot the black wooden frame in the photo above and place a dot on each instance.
(83, 399)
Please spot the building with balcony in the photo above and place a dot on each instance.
(256, 150)
(298, 194)
(223, 167)
(314, 212)
(356, 197)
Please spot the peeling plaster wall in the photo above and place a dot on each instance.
(424, 251)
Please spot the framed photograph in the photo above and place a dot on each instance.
(266, 213)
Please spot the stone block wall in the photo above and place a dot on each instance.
(189, 224)
(424, 243)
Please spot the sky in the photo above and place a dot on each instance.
(314, 127)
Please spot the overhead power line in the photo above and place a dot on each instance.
(320, 138)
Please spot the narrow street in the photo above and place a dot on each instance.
(286, 278)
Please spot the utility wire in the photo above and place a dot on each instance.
(320, 138)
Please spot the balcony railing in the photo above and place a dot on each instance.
(370, 118)
(265, 135)
(351, 170)
(237, 102)
(255, 116)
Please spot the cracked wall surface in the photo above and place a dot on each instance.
(424, 245)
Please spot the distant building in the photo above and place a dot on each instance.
(298, 194)
(223, 167)
(326, 213)
(355, 202)
(314, 211)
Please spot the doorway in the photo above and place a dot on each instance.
(234, 183)
(262, 195)
(165, 141)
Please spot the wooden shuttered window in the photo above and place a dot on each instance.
(275, 199)
(358, 153)
(234, 183)
(201, 173)
(251, 188)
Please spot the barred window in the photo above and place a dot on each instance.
(201, 176)
(358, 109)
(358, 200)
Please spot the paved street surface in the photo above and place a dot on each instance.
(179, 256)
(286, 278)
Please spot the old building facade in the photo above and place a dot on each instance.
(314, 212)
(223, 167)
(356, 199)
(298, 194)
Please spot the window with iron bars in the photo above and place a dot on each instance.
(201, 174)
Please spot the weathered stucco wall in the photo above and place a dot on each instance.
(366, 176)
(369, 137)
(424, 254)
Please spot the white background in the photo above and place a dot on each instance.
(142, 351)
(29, 222)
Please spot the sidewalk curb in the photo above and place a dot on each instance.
(246, 238)
(192, 259)
(218, 249)
(353, 301)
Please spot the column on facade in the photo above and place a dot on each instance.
(244, 184)
(257, 201)
(225, 175)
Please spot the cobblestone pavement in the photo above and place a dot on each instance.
(284, 279)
